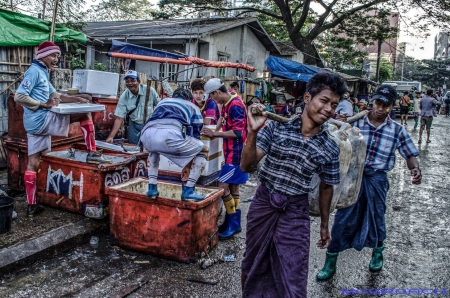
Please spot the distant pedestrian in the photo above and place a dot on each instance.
(404, 107)
(345, 106)
(427, 109)
(440, 101)
(363, 223)
(416, 109)
(447, 106)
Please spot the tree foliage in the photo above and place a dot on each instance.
(386, 71)
(304, 23)
(340, 52)
(432, 73)
(409, 66)
(70, 12)
(121, 10)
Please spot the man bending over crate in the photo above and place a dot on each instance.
(174, 131)
(37, 95)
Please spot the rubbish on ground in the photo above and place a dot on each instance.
(229, 258)
(141, 262)
(205, 263)
(94, 242)
(202, 280)
(124, 292)
(396, 208)
(252, 184)
(248, 200)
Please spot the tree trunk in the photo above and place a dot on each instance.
(306, 46)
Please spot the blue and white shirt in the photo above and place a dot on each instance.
(36, 84)
(346, 107)
(383, 141)
(185, 112)
(127, 102)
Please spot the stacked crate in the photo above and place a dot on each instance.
(16, 143)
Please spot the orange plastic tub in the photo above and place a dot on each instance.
(17, 160)
(104, 121)
(69, 183)
(165, 226)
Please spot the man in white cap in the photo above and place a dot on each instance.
(37, 95)
(130, 107)
(233, 123)
(174, 131)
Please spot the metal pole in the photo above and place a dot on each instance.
(403, 62)
(147, 97)
(43, 9)
(377, 76)
(52, 30)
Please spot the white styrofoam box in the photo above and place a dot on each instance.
(214, 159)
(97, 83)
(77, 108)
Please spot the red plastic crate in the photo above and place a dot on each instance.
(79, 187)
(17, 159)
(105, 120)
(165, 226)
(16, 130)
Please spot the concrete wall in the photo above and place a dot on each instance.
(254, 53)
(149, 68)
(241, 45)
(238, 44)
(203, 49)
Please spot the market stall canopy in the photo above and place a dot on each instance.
(17, 29)
(291, 69)
(130, 51)
(128, 48)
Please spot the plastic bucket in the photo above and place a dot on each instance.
(6, 211)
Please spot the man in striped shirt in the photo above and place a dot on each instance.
(363, 224)
(275, 262)
(174, 131)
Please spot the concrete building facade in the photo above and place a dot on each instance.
(242, 40)
(442, 45)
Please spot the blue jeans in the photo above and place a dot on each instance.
(134, 132)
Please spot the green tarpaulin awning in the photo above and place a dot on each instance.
(17, 29)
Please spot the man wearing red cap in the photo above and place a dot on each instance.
(37, 95)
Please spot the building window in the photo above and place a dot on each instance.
(222, 71)
(168, 71)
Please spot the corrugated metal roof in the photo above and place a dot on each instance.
(175, 28)
(286, 47)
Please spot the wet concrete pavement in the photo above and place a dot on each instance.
(417, 250)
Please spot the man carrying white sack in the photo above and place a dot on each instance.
(174, 131)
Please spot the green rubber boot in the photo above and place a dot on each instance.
(329, 268)
(377, 259)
